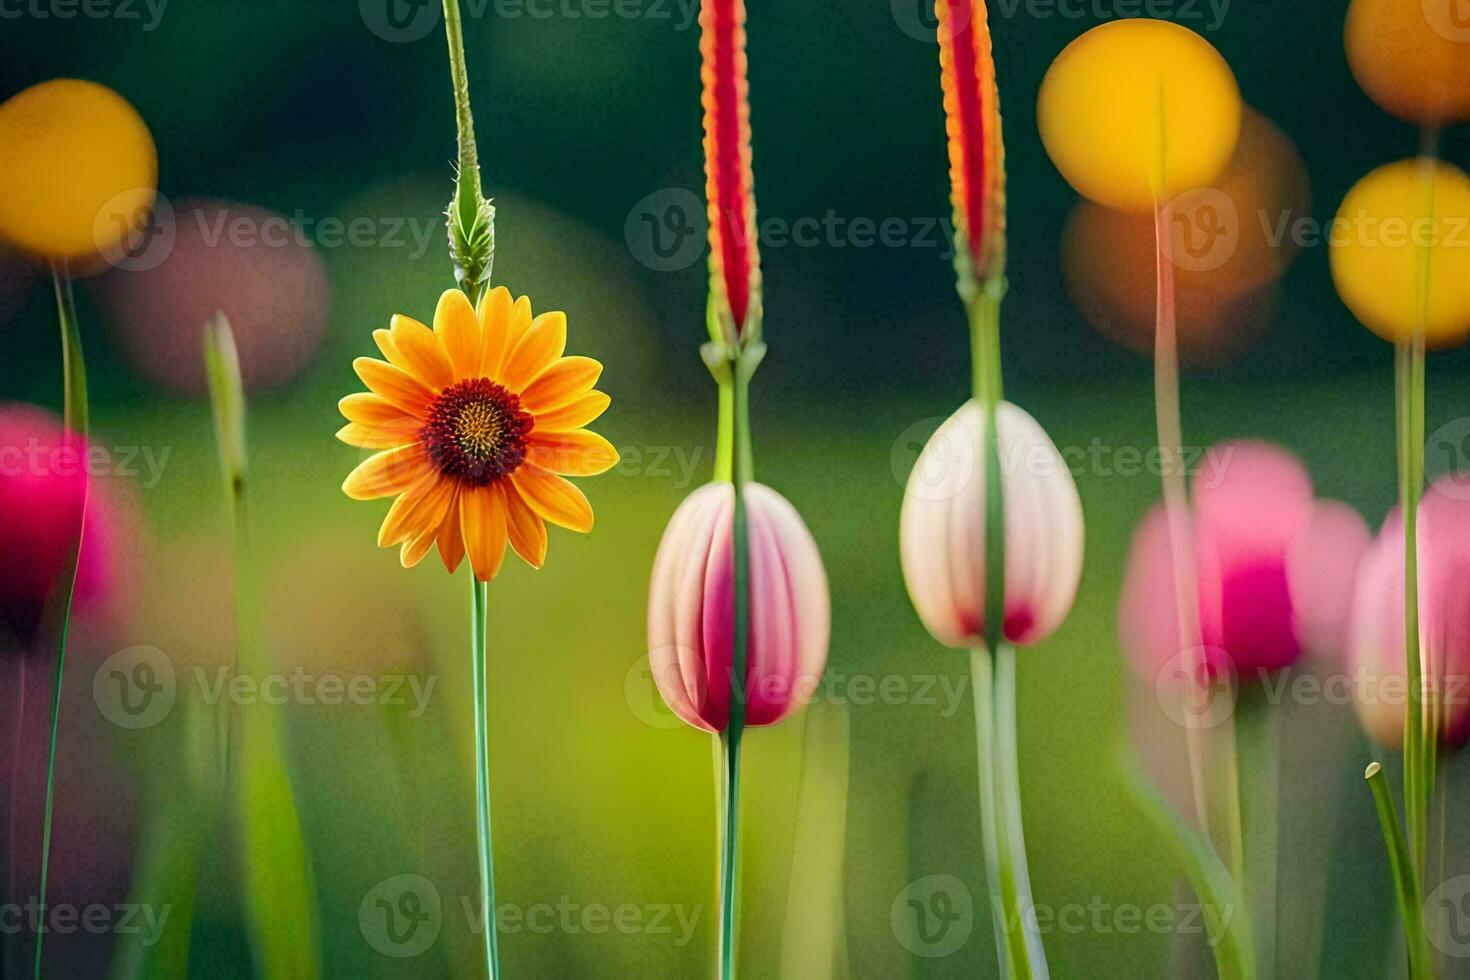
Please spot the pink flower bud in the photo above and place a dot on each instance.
(43, 479)
(942, 529)
(1273, 565)
(691, 609)
(1376, 638)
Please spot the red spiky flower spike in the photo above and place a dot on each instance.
(972, 122)
(734, 260)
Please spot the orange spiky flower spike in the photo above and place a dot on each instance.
(976, 154)
(734, 259)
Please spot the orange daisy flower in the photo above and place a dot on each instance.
(479, 420)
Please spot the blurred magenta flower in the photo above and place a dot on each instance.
(1274, 568)
(692, 601)
(1376, 637)
(942, 529)
(43, 479)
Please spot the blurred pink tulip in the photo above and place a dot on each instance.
(692, 601)
(42, 481)
(1376, 640)
(942, 529)
(1274, 568)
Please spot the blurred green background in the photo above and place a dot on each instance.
(600, 799)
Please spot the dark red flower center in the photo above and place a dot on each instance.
(476, 431)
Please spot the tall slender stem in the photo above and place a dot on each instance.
(1405, 880)
(1409, 362)
(982, 683)
(479, 623)
(1176, 507)
(742, 471)
(1008, 789)
(74, 418)
(468, 193)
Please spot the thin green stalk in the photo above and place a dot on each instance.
(982, 682)
(74, 418)
(742, 467)
(1409, 361)
(1226, 922)
(1405, 880)
(471, 218)
(1008, 789)
(479, 624)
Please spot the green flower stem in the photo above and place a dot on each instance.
(471, 218)
(1405, 880)
(58, 616)
(1418, 780)
(479, 623)
(982, 682)
(1226, 921)
(741, 461)
(1008, 791)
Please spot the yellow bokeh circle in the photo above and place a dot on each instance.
(1137, 111)
(78, 170)
(1401, 251)
(1412, 57)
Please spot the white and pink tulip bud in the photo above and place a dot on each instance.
(691, 609)
(1376, 639)
(942, 529)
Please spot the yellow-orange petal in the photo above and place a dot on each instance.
(366, 408)
(527, 531)
(384, 339)
(494, 317)
(419, 509)
(564, 381)
(451, 540)
(482, 521)
(397, 431)
(458, 329)
(395, 386)
(386, 473)
(414, 549)
(552, 498)
(423, 355)
(536, 351)
(579, 413)
(574, 453)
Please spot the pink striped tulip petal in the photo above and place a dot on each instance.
(1377, 641)
(691, 609)
(942, 529)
